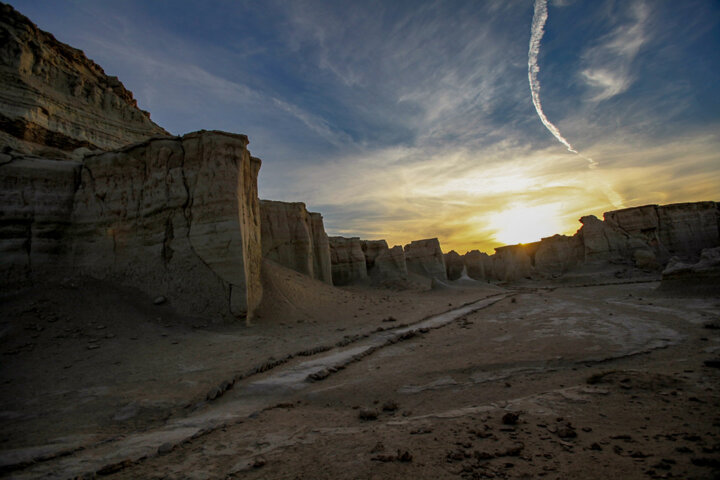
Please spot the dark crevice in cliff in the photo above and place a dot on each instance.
(187, 214)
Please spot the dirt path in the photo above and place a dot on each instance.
(604, 381)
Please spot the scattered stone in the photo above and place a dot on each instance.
(259, 462)
(390, 319)
(320, 375)
(213, 393)
(390, 406)
(510, 418)
(93, 346)
(159, 300)
(368, 414)
(596, 446)
(566, 431)
(379, 447)
(165, 448)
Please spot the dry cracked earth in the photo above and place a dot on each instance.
(589, 382)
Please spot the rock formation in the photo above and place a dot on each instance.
(643, 237)
(54, 99)
(385, 266)
(424, 257)
(478, 265)
(557, 254)
(454, 265)
(512, 262)
(295, 238)
(177, 217)
(36, 200)
(680, 229)
(348, 260)
(702, 277)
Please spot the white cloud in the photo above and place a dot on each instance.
(608, 70)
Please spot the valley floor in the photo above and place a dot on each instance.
(522, 382)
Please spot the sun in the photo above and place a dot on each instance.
(522, 224)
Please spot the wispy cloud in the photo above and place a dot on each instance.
(608, 63)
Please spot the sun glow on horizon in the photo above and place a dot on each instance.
(521, 224)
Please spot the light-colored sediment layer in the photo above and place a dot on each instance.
(54, 99)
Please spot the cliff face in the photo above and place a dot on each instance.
(36, 199)
(645, 237)
(348, 260)
(425, 257)
(55, 100)
(295, 238)
(177, 217)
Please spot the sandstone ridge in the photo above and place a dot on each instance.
(55, 100)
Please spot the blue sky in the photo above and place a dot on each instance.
(411, 119)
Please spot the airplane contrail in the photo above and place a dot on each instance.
(537, 31)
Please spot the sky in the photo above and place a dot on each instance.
(413, 119)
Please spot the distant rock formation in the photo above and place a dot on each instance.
(558, 254)
(643, 237)
(680, 229)
(702, 277)
(348, 260)
(454, 265)
(295, 238)
(367, 262)
(513, 262)
(385, 266)
(55, 100)
(425, 257)
(178, 217)
(478, 265)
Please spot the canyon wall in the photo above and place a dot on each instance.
(295, 238)
(347, 260)
(644, 237)
(55, 100)
(177, 217)
(425, 257)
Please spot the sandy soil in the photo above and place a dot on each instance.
(586, 382)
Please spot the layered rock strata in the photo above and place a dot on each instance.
(680, 229)
(385, 266)
(348, 260)
(425, 257)
(36, 201)
(177, 217)
(55, 100)
(295, 238)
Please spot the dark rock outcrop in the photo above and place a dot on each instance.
(702, 277)
(454, 265)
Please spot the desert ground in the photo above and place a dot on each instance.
(595, 377)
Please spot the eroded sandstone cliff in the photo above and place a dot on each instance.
(295, 238)
(177, 217)
(55, 100)
(425, 257)
(348, 260)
